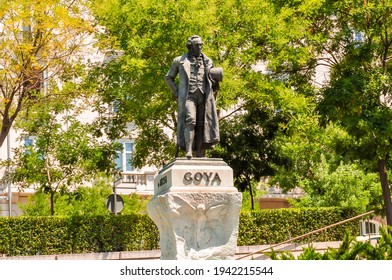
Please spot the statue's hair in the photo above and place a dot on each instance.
(190, 40)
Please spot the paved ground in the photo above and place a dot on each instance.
(243, 253)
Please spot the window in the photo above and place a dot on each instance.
(123, 160)
(358, 36)
(28, 142)
(369, 227)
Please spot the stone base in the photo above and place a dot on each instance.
(196, 209)
(196, 225)
(196, 174)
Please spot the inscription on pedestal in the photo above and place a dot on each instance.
(198, 177)
(162, 181)
(197, 226)
(184, 173)
(196, 209)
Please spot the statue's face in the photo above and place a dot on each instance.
(197, 45)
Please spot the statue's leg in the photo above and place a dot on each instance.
(200, 152)
(190, 122)
(189, 137)
(199, 130)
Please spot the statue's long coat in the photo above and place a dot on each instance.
(181, 66)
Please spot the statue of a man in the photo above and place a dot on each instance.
(198, 127)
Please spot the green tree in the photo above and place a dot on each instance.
(84, 200)
(317, 160)
(65, 153)
(357, 46)
(346, 186)
(349, 249)
(37, 205)
(37, 42)
(352, 40)
(287, 39)
(246, 146)
(150, 34)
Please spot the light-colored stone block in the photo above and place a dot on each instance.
(196, 209)
(197, 174)
(196, 225)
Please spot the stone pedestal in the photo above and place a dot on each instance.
(196, 209)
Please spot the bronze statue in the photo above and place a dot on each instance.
(198, 127)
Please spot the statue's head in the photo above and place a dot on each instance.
(195, 44)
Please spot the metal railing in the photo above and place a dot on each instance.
(134, 178)
(306, 235)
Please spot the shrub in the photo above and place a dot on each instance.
(76, 234)
(133, 232)
(277, 225)
(349, 249)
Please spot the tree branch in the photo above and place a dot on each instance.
(235, 111)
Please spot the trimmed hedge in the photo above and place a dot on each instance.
(278, 225)
(84, 234)
(77, 234)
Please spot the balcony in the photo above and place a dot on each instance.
(135, 182)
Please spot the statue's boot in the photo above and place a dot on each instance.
(189, 137)
(199, 142)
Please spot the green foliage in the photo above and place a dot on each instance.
(349, 249)
(63, 156)
(357, 95)
(246, 143)
(149, 35)
(274, 226)
(38, 39)
(135, 204)
(319, 161)
(82, 201)
(76, 234)
(302, 143)
(107, 233)
(383, 250)
(237, 35)
(275, 129)
(247, 199)
(346, 186)
(38, 205)
(309, 253)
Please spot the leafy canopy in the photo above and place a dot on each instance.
(39, 43)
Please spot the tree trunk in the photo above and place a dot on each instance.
(386, 193)
(7, 121)
(249, 182)
(5, 129)
(52, 203)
